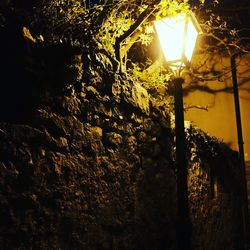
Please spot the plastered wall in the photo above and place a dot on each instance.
(217, 97)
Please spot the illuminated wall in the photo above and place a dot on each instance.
(216, 94)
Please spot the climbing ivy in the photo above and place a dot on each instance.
(200, 145)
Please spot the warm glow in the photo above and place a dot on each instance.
(177, 37)
(191, 37)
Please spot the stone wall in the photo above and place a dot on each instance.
(93, 167)
(214, 193)
(87, 175)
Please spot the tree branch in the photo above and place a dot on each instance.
(143, 16)
(197, 107)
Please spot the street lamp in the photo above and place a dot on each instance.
(177, 36)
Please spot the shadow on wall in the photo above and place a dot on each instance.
(28, 69)
(16, 87)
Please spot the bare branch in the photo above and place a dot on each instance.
(197, 107)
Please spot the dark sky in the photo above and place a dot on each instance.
(238, 11)
(235, 12)
(238, 14)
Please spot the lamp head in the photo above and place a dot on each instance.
(177, 36)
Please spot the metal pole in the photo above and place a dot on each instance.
(184, 231)
(245, 212)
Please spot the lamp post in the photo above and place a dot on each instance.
(245, 212)
(177, 36)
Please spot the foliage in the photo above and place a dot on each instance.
(156, 80)
(79, 21)
(61, 18)
(114, 26)
(202, 145)
(172, 8)
(64, 20)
